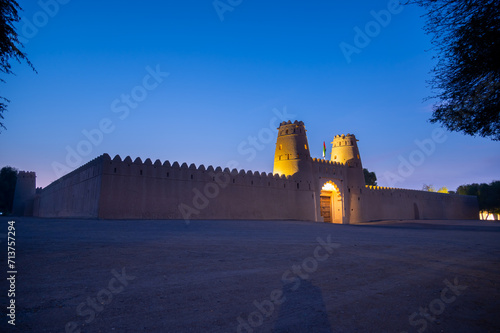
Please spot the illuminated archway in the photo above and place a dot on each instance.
(331, 206)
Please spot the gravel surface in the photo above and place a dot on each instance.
(252, 276)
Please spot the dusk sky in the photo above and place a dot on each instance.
(184, 81)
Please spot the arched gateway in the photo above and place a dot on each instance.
(331, 203)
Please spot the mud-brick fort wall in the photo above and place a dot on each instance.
(300, 188)
(146, 190)
(124, 189)
(379, 203)
(73, 195)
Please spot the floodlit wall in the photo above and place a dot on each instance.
(124, 189)
(379, 203)
(146, 190)
(328, 169)
(73, 195)
(373, 203)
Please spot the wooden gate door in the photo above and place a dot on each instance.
(326, 208)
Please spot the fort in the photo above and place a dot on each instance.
(300, 188)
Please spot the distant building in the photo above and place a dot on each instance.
(300, 188)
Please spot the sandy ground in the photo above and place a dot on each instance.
(253, 276)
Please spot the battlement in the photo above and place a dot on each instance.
(289, 128)
(26, 174)
(296, 122)
(193, 173)
(409, 191)
(323, 161)
(329, 169)
(344, 140)
(343, 136)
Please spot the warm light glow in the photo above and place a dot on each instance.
(328, 187)
(286, 169)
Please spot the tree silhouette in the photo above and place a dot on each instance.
(370, 177)
(488, 195)
(9, 45)
(466, 78)
(428, 188)
(431, 188)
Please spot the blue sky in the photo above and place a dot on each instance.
(102, 70)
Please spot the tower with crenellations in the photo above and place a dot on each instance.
(24, 194)
(292, 156)
(345, 151)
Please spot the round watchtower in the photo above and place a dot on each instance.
(345, 150)
(292, 154)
